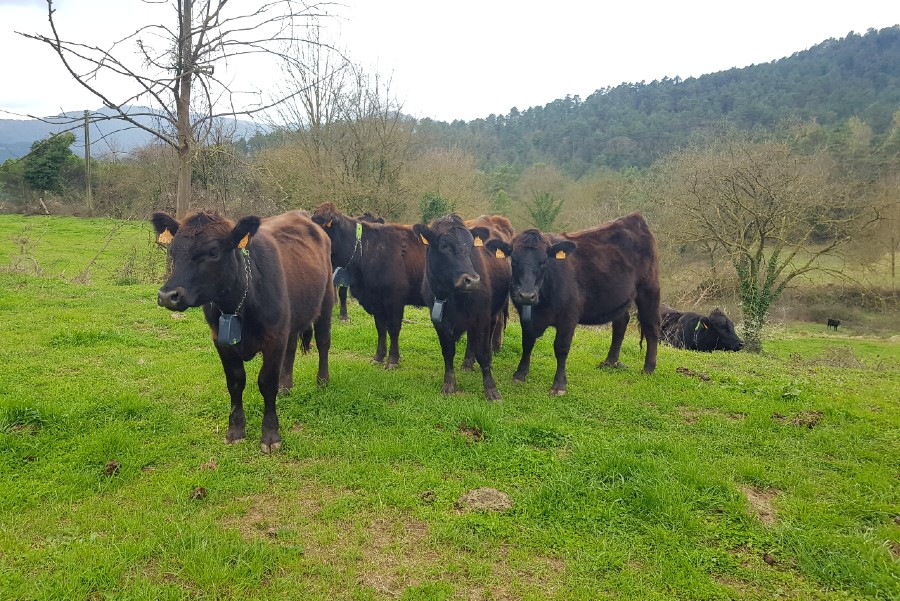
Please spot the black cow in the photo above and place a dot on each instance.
(695, 332)
(342, 290)
(261, 283)
(833, 324)
(383, 263)
(586, 277)
(466, 289)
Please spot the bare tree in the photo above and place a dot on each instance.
(178, 72)
(773, 212)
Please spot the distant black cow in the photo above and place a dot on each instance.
(694, 332)
(466, 289)
(261, 283)
(342, 290)
(586, 277)
(383, 263)
(833, 324)
(498, 227)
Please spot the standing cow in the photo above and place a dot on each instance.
(383, 265)
(586, 277)
(695, 332)
(466, 289)
(261, 283)
(342, 290)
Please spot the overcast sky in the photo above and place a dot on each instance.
(465, 59)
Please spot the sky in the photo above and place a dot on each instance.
(467, 59)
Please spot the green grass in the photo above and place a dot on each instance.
(629, 487)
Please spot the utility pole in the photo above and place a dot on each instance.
(88, 195)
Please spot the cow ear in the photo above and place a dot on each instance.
(424, 233)
(480, 235)
(166, 227)
(561, 250)
(244, 231)
(500, 248)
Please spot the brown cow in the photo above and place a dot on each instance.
(383, 265)
(261, 283)
(586, 277)
(498, 227)
(466, 289)
(342, 290)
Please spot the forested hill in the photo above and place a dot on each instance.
(634, 124)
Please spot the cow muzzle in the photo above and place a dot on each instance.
(468, 281)
(173, 299)
(526, 298)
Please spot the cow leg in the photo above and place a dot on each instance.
(562, 342)
(497, 332)
(481, 340)
(342, 297)
(381, 349)
(322, 332)
(268, 387)
(647, 301)
(286, 379)
(619, 326)
(236, 379)
(528, 339)
(394, 324)
(448, 350)
(468, 363)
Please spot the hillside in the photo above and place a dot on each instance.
(632, 124)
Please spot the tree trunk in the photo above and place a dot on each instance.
(183, 191)
(183, 112)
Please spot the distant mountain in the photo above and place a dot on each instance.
(107, 137)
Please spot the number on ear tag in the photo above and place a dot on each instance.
(165, 237)
(479, 241)
(244, 241)
(561, 254)
(500, 254)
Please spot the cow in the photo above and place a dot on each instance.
(833, 324)
(383, 265)
(589, 277)
(498, 227)
(695, 332)
(466, 289)
(262, 283)
(342, 290)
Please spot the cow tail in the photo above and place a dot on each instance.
(305, 340)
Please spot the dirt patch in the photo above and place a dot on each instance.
(210, 465)
(484, 499)
(894, 548)
(473, 433)
(806, 419)
(685, 371)
(761, 502)
(691, 415)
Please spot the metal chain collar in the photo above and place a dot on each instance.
(246, 254)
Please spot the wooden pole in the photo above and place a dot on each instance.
(88, 194)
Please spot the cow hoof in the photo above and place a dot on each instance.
(230, 440)
(519, 379)
(493, 394)
(270, 448)
(557, 392)
(284, 391)
(448, 389)
(345, 319)
(376, 361)
(467, 366)
(390, 365)
(615, 365)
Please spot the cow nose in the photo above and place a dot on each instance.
(168, 298)
(740, 345)
(467, 281)
(528, 298)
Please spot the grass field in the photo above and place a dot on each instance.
(719, 477)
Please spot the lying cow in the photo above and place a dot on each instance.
(342, 290)
(383, 265)
(695, 332)
(466, 289)
(586, 277)
(261, 283)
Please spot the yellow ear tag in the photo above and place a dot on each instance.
(561, 254)
(424, 241)
(478, 241)
(329, 223)
(500, 254)
(705, 327)
(244, 241)
(165, 237)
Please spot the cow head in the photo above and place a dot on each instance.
(448, 259)
(340, 228)
(205, 263)
(721, 328)
(531, 253)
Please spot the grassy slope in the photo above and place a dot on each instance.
(662, 487)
